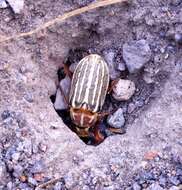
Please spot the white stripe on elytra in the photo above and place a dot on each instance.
(90, 76)
(79, 91)
(101, 85)
(95, 87)
(76, 90)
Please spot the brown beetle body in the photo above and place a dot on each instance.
(88, 91)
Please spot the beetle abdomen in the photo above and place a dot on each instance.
(89, 83)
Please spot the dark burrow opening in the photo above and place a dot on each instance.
(131, 108)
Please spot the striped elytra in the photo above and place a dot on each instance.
(89, 84)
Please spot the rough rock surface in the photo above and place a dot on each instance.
(136, 54)
(28, 68)
(116, 120)
(16, 5)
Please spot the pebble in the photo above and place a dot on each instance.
(174, 188)
(18, 171)
(109, 56)
(155, 186)
(3, 4)
(148, 78)
(9, 185)
(136, 186)
(58, 186)
(38, 167)
(178, 38)
(43, 147)
(32, 181)
(136, 54)
(174, 180)
(150, 155)
(16, 5)
(162, 181)
(15, 156)
(2, 172)
(117, 119)
(60, 103)
(5, 114)
(123, 90)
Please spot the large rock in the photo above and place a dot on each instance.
(16, 5)
(136, 54)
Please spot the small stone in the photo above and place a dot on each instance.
(60, 103)
(131, 107)
(28, 97)
(148, 78)
(9, 185)
(155, 186)
(136, 54)
(23, 178)
(117, 119)
(16, 156)
(5, 114)
(16, 5)
(123, 90)
(2, 172)
(42, 147)
(3, 4)
(39, 176)
(162, 181)
(18, 171)
(109, 56)
(178, 38)
(174, 180)
(136, 186)
(150, 155)
(38, 167)
(32, 181)
(58, 186)
(174, 188)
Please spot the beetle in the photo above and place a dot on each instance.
(89, 86)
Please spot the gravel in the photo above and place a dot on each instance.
(136, 54)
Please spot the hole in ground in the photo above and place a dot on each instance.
(130, 108)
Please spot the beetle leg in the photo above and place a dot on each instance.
(116, 130)
(98, 135)
(111, 85)
(67, 71)
(103, 114)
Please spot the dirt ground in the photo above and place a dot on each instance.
(36, 146)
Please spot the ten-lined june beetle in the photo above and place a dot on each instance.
(89, 87)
